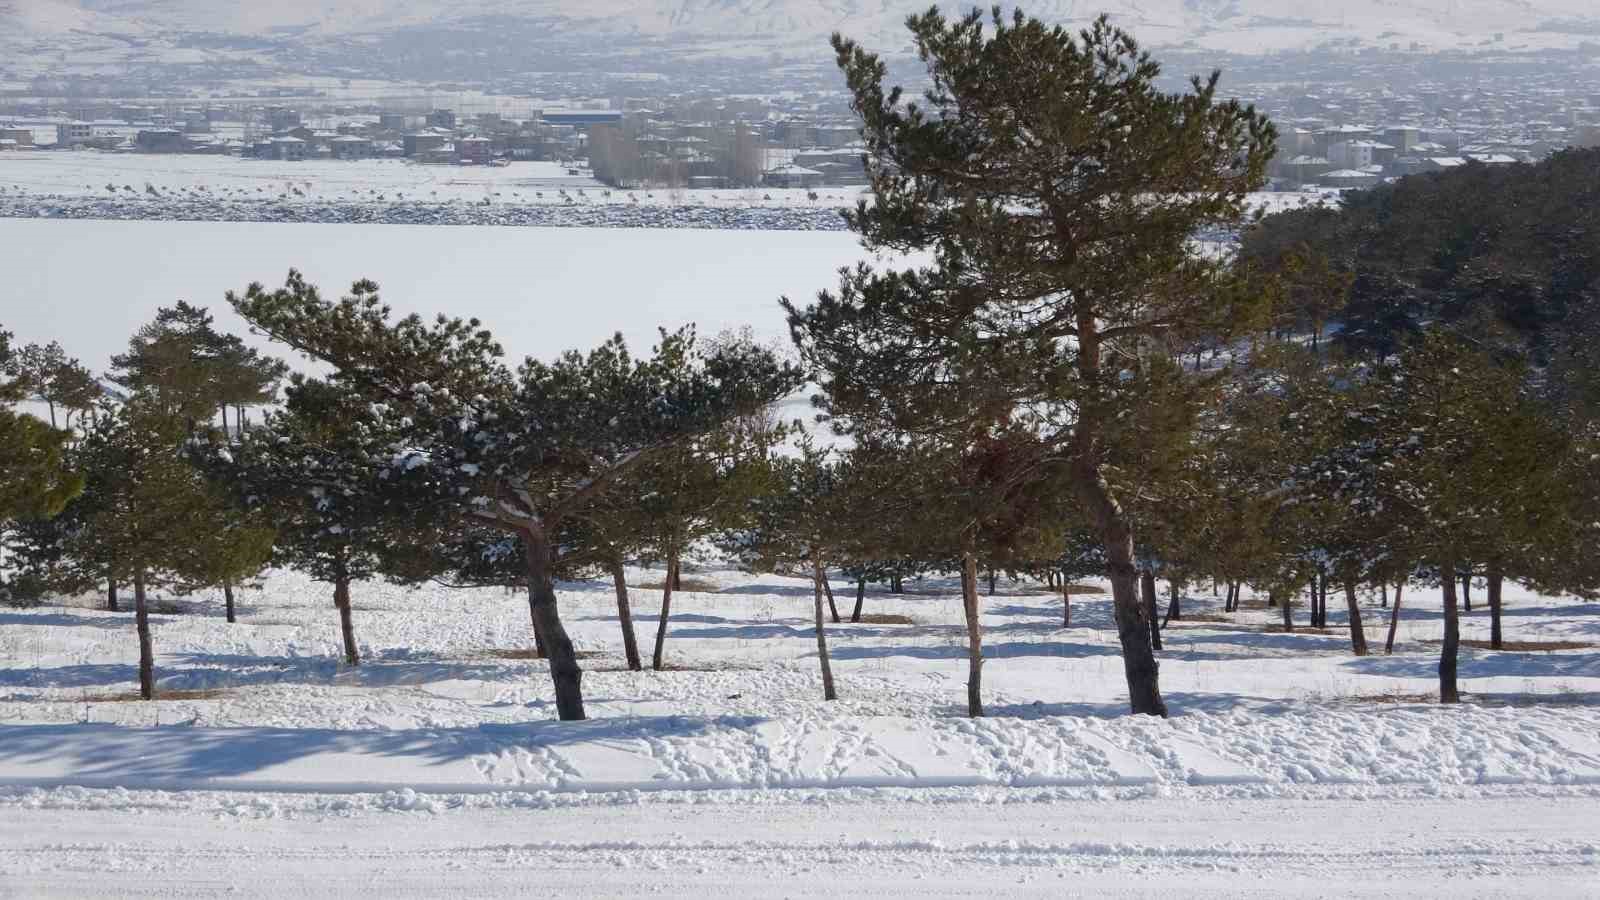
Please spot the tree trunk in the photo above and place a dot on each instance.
(1394, 617)
(1358, 634)
(224, 421)
(1466, 592)
(533, 617)
(861, 597)
(659, 659)
(564, 669)
(1174, 612)
(227, 596)
(341, 599)
(1496, 580)
(828, 692)
(1288, 610)
(969, 605)
(630, 643)
(1147, 593)
(1135, 621)
(993, 579)
(1066, 603)
(111, 596)
(676, 574)
(1448, 691)
(141, 620)
(827, 588)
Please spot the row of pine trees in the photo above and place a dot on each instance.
(1355, 399)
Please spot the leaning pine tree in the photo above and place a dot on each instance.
(1058, 191)
(517, 451)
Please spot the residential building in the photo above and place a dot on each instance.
(161, 140)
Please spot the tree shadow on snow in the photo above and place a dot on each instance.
(1483, 664)
(182, 757)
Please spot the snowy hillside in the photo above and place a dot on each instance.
(434, 769)
(1237, 25)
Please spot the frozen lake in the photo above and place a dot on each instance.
(90, 284)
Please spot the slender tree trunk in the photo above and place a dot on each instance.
(676, 574)
(630, 642)
(1383, 594)
(827, 589)
(52, 413)
(1496, 580)
(1066, 602)
(969, 605)
(227, 597)
(1394, 618)
(141, 621)
(1448, 652)
(1174, 611)
(224, 421)
(861, 598)
(564, 669)
(1358, 634)
(1147, 594)
(659, 659)
(828, 693)
(993, 580)
(1288, 609)
(111, 596)
(347, 628)
(1466, 592)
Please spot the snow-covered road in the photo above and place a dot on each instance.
(817, 846)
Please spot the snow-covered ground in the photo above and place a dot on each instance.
(1287, 758)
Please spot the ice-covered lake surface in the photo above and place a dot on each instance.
(90, 284)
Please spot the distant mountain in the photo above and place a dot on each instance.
(41, 35)
(1238, 25)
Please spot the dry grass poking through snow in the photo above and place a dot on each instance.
(1525, 646)
(886, 619)
(686, 585)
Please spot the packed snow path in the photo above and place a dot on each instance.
(806, 846)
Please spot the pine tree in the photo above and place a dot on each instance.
(315, 472)
(36, 481)
(520, 452)
(1447, 458)
(147, 516)
(1057, 188)
(55, 380)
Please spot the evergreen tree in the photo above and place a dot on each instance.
(55, 380)
(147, 515)
(309, 471)
(1058, 189)
(1447, 458)
(523, 451)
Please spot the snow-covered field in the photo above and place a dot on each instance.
(438, 762)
